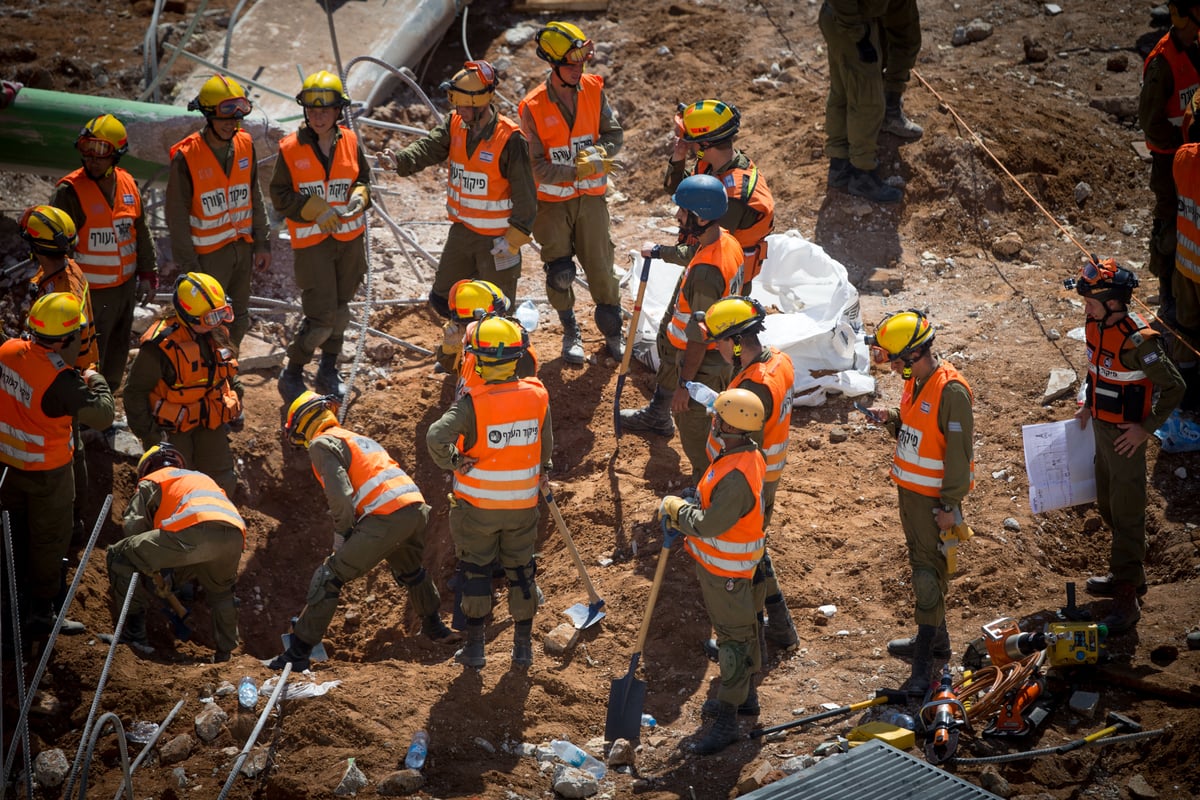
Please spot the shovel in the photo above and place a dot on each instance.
(628, 694)
(582, 616)
(881, 697)
(633, 323)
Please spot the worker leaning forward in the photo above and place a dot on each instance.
(321, 186)
(214, 206)
(933, 469)
(724, 534)
(40, 394)
(183, 386)
(573, 135)
(498, 441)
(378, 515)
(715, 271)
(180, 520)
(490, 199)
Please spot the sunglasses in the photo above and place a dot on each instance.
(95, 148)
(233, 108)
(581, 51)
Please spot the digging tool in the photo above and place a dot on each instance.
(633, 323)
(582, 616)
(1116, 722)
(627, 695)
(174, 609)
(882, 696)
(942, 716)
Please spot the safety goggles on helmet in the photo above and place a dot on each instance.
(95, 148)
(232, 108)
(898, 336)
(218, 316)
(580, 52)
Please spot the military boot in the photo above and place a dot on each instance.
(297, 654)
(839, 173)
(748, 708)
(522, 652)
(1104, 586)
(653, 418)
(472, 655)
(780, 631)
(328, 380)
(43, 616)
(134, 632)
(904, 648)
(869, 186)
(291, 382)
(572, 339)
(616, 346)
(724, 732)
(919, 679)
(894, 121)
(436, 630)
(1125, 613)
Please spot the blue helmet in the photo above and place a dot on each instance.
(703, 195)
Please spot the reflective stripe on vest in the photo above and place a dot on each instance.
(777, 374)
(477, 195)
(189, 498)
(29, 440)
(726, 255)
(1184, 77)
(919, 464)
(202, 394)
(508, 445)
(1187, 218)
(70, 279)
(309, 178)
(749, 188)
(380, 485)
(221, 210)
(1117, 394)
(107, 249)
(737, 551)
(560, 143)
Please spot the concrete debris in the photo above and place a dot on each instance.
(353, 780)
(572, 782)
(50, 768)
(210, 721)
(1058, 385)
(401, 783)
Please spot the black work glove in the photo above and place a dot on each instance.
(866, 51)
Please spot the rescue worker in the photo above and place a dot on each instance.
(573, 135)
(183, 387)
(734, 323)
(378, 515)
(1170, 77)
(707, 129)
(724, 534)
(900, 43)
(715, 271)
(471, 301)
(321, 186)
(1132, 387)
(178, 519)
(498, 441)
(40, 394)
(215, 211)
(933, 469)
(115, 249)
(1186, 277)
(490, 197)
(854, 108)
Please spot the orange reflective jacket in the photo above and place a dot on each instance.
(380, 485)
(107, 249)
(508, 445)
(29, 440)
(778, 375)
(750, 188)
(309, 178)
(189, 498)
(737, 551)
(1185, 81)
(1187, 219)
(561, 144)
(726, 255)
(477, 195)
(920, 461)
(221, 204)
(201, 394)
(1116, 394)
(70, 279)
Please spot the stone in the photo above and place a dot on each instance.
(959, 37)
(1083, 191)
(622, 754)
(1007, 246)
(256, 762)
(1123, 107)
(353, 780)
(1058, 385)
(560, 640)
(178, 749)
(1011, 524)
(978, 30)
(257, 353)
(1117, 62)
(797, 764)
(838, 434)
(996, 784)
(179, 776)
(756, 779)
(1053, 9)
(572, 782)
(50, 768)
(1034, 52)
(1139, 788)
(210, 721)
(400, 783)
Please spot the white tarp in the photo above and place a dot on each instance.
(820, 327)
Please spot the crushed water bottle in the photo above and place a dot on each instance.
(898, 718)
(527, 315)
(415, 757)
(578, 757)
(247, 693)
(648, 721)
(702, 394)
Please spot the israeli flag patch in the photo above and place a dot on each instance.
(486, 156)
(243, 163)
(954, 427)
(127, 198)
(1150, 358)
(925, 406)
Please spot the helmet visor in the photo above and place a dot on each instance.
(487, 72)
(233, 108)
(320, 98)
(218, 316)
(95, 148)
(580, 52)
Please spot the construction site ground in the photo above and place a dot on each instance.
(1002, 317)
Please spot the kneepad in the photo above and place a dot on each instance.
(475, 580)
(926, 590)
(324, 586)
(560, 273)
(522, 577)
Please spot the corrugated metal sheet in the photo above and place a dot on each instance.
(872, 771)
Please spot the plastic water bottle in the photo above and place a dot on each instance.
(527, 315)
(702, 394)
(578, 757)
(648, 721)
(247, 693)
(415, 757)
(899, 719)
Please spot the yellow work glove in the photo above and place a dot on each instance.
(317, 210)
(591, 161)
(515, 239)
(360, 198)
(669, 509)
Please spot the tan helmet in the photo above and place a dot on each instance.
(323, 90)
(740, 408)
(561, 43)
(472, 86)
(55, 316)
(49, 231)
(308, 415)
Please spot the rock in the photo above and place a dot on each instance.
(485, 745)
(813, 442)
(256, 762)
(978, 30)
(1053, 334)
(1117, 62)
(50, 768)
(1121, 107)
(178, 749)
(622, 754)
(258, 353)
(402, 782)
(1139, 788)
(520, 35)
(1082, 192)
(1058, 385)
(1181, 472)
(837, 434)
(1053, 9)
(353, 780)
(381, 351)
(757, 779)
(1092, 524)
(180, 778)
(209, 722)
(1034, 52)
(1008, 245)
(959, 37)
(561, 639)
(1011, 524)
(571, 782)
(995, 783)
(797, 764)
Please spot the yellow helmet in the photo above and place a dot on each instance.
(323, 90)
(902, 334)
(710, 121)
(101, 137)
(201, 302)
(498, 340)
(733, 316)
(221, 97)
(50, 231)
(561, 43)
(472, 86)
(308, 415)
(740, 408)
(55, 316)
(471, 298)
(158, 457)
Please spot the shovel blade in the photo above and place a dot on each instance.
(318, 653)
(626, 698)
(583, 616)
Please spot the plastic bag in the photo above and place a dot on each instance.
(1179, 434)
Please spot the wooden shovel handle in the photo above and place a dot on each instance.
(562, 528)
(654, 587)
(637, 315)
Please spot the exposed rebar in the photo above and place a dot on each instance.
(149, 747)
(262, 720)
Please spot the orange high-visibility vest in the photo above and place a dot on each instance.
(1116, 394)
(70, 279)
(29, 440)
(477, 195)
(920, 461)
(1187, 219)
(1185, 81)
(380, 485)
(737, 551)
(508, 445)
(189, 498)
(726, 255)
(309, 178)
(107, 249)
(779, 377)
(221, 204)
(748, 186)
(201, 394)
(561, 144)
(468, 378)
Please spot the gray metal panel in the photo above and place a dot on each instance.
(872, 771)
